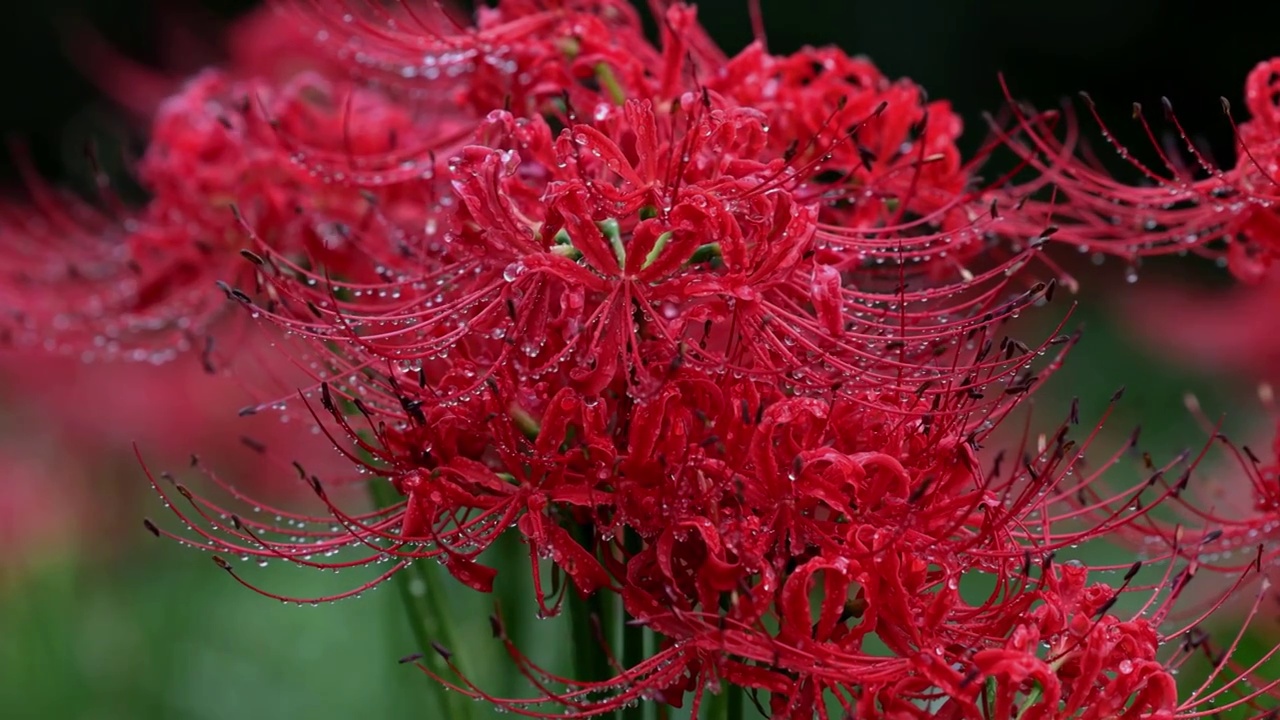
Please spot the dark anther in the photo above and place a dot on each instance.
(920, 491)
(1182, 483)
(414, 408)
(1134, 436)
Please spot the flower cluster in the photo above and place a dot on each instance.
(1228, 213)
(1185, 204)
(722, 339)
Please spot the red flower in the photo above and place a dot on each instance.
(714, 335)
(527, 56)
(589, 252)
(775, 576)
(138, 283)
(746, 501)
(1188, 205)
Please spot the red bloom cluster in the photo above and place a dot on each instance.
(1189, 204)
(1225, 212)
(720, 337)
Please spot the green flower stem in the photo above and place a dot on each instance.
(633, 636)
(1034, 696)
(590, 658)
(737, 705)
(427, 610)
(728, 704)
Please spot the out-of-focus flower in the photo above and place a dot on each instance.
(193, 404)
(141, 286)
(1230, 331)
(84, 282)
(44, 509)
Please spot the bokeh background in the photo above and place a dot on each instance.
(100, 621)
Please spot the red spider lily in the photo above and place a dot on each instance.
(587, 253)
(308, 161)
(552, 281)
(895, 198)
(1186, 205)
(583, 249)
(138, 283)
(904, 165)
(730, 586)
(304, 158)
(1228, 519)
(616, 242)
(1239, 505)
(528, 56)
(458, 499)
(425, 423)
(742, 499)
(901, 173)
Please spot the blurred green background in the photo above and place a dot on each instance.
(103, 622)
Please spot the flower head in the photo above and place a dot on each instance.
(718, 337)
(1188, 204)
(139, 283)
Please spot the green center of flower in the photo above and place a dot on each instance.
(611, 230)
